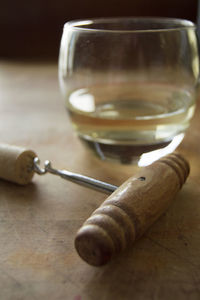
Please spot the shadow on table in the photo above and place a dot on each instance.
(12, 192)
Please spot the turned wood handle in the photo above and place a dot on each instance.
(131, 209)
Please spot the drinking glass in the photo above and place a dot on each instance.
(129, 84)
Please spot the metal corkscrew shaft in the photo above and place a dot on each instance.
(85, 181)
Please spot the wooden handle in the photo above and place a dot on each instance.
(131, 209)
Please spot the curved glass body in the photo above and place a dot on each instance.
(129, 83)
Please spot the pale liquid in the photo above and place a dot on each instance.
(127, 116)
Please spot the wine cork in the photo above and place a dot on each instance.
(16, 164)
(130, 210)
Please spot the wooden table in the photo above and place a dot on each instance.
(38, 222)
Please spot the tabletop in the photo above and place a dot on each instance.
(38, 222)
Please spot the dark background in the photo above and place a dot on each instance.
(33, 28)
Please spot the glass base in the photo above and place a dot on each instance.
(142, 155)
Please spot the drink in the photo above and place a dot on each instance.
(123, 121)
(130, 84)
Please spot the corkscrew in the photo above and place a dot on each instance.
(124, 216)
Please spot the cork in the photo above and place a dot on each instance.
(16, 164)
(127, 213)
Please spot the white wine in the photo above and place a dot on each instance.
(129, 119)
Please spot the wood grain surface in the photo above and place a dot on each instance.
(38, 222)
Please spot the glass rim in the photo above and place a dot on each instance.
(181, 24)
